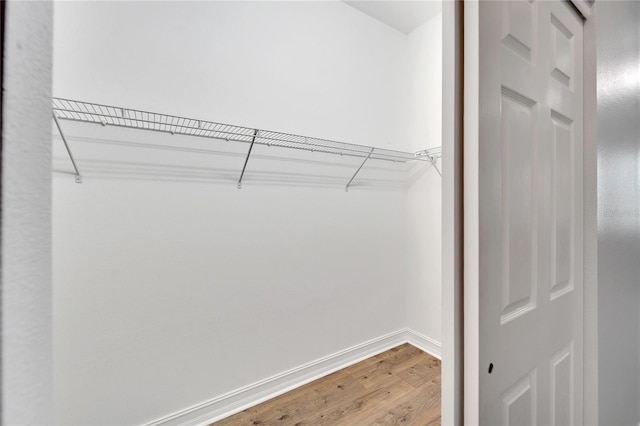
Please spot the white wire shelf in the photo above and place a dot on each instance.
(107, 115)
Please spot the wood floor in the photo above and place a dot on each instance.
(400, 386)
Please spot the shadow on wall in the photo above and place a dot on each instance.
(130, 155)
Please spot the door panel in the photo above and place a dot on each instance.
(518, 119)
(530, 213)
(562, 400)
(517, 28)
(519, 402)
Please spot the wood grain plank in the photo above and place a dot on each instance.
(423, 409)
(399, 386)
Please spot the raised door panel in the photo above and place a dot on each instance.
(518, 130)
(519, 402)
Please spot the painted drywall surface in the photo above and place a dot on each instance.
(26, 216)
(313, 68)
(179, 291)
(424, 198)
(171, 286)
(618, 211)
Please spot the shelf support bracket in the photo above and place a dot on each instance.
(66, 145)
(346, 188)
(246, 160)
(434, 163)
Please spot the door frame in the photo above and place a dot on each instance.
(452, 388)
(590, 208)
(466, 411)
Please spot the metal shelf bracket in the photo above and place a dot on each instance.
(346, 188)
(434, 163)
(66, 145)
(246, 160)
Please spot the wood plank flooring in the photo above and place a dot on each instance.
(400, 386)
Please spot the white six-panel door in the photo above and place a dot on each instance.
(530, 213)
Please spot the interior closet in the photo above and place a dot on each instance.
(246, 196)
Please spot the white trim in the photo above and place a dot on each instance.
(590, 224)
(452, 214)
(240, 399)
(424, 343)
(584, 7)
(471, 208)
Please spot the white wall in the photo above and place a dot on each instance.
(26, 215)
(618, 51)
(424, 198)
(171, 286)
(317, 68)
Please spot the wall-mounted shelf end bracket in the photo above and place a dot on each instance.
(246, 160)
(66, 145)
(346, 188)
(434, 162)
(432, 155)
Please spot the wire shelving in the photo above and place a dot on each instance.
(107, 115)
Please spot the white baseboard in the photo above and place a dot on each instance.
(425, 343)
(233, 402)
(240, 399)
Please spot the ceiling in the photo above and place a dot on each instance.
(404, 16)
